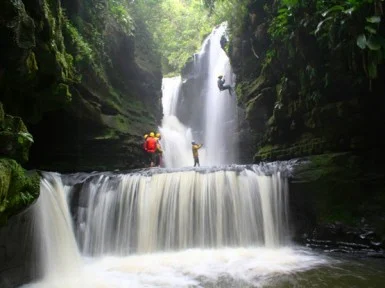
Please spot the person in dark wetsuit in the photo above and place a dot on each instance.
(222, 86)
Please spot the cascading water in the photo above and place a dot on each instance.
(220, 105)
(180, 210)
(55, 240)
(167, 228)
(176, 140)
(216, 226)
(213, 116)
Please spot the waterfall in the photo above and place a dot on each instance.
(173, 226)
(55, 238)
(211, 116)
(135, 213)
(220, 113)
(171, 89)
(176, 140)
(167, 228)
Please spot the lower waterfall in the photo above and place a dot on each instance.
(166, 228)
(135, 213)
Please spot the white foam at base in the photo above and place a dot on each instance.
(188, 268)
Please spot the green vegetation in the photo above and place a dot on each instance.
(310, 67)
(179, 27)
(82, 50)
(352, 26)
(15, 140)
(336, 182)
(17, 190)
(120, 11)
(365, 17)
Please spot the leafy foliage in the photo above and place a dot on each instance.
(121, 13)
(83, 51)
(348, 27)
(365, 18)
(24, 137)
(17, 190)
(178, 28)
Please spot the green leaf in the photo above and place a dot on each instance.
(334, 8)
(361, 41)
(319, 26)
(350, 11)
(290, 2)
(373, 43)
(25, 136)
(373, 19)
(370, 29)
(20, 139)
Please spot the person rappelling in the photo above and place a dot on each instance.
(221, 85)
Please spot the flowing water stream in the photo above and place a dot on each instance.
(218, 225)
(212, 113)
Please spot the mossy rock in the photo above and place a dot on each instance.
(344, 188)
(17, 190)
(15, 124)
(31, 64)
(62, 93)
(15, 141)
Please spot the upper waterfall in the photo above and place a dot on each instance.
(195, 109)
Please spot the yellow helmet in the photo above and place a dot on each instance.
(157, 135)
(152, 134)
(145, 136)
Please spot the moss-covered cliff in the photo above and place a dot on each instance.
(337, 202)
(308, 81)
(310, 76)
(84, 78)
(18, 189)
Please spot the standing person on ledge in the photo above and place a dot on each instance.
(150, 148)
(195, 148)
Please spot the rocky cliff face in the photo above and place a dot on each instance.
(18, 259)
(308, 93)
(337, 202)
(86, 83)
(304, 92)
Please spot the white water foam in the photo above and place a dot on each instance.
(249, 267)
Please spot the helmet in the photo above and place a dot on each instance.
(193, 142)
(152, 134)
(145, 136)
(220, 76)
(157, 135)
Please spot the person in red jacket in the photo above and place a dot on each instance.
(151, 147)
